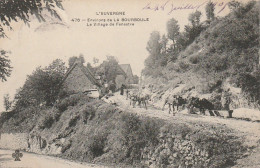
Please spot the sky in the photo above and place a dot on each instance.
(41, 43)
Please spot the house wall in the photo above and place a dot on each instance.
(120, 79)
(77, 81)
(130, 77)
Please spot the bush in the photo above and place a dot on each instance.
(131, 136)
(194, 59)
(72, 100)
(96, 145)
(73, 121)
(184, 66)
(66, 146)
(250, 84)
(46, 122)
(88, 113)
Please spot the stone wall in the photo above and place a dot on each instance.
(14, 141)
(176, 152)
(38, 144)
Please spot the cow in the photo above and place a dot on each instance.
(172, 101)
(141, 99)
(203, 105)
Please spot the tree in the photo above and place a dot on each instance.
(108, 69)
(11, 10)
(196, 27)
(154, 48)
(57, 66)
(173, 29)
(164, 51)
(5, 67)
(194, 18)
(7, 102)
(164, 43)
(210, 11)
(72, 60)
(233, 5)
(21, 10)
(42, 86)
(182, 41)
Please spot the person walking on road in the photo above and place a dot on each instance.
(226, 101)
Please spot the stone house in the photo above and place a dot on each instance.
(129, 73)
(80, 79)
(124, 75)
(120, 77)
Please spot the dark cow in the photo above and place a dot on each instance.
(203, 105)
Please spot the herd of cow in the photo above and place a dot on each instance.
(175, 102)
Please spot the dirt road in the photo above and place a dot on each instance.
(30, 160)
(251, 130)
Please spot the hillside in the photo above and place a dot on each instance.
(89, 130)
(225, 55)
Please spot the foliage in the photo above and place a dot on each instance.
(194, 18)
(73, 121)
(71, 100)
(154, 49)
(131, 136)
(192, 31)
(108, 70)
(226, 48)
(7, 102)
(96, 144)
(22, 120)
(5, 66)
(46, 122)
(42, 86)
(72, 60)
(88, 113)
(22, 9)
(210, 7)
(173, 29)
(233, 5)
(250, 84)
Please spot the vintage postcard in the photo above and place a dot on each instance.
(129, 83)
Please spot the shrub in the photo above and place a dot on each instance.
(184, 66)
(131, 136)
(194, 59)
(73, 121)
(56, 114)
(72, 100)
(88, 113)
(46, 122)
(96, 145)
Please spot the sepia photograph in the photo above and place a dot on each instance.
(129, 84)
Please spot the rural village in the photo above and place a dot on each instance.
(195, 104)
